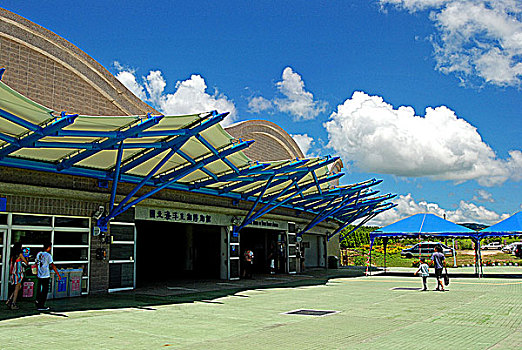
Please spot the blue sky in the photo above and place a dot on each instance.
(425, 94)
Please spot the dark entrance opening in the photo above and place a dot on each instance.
(266, 245)
(169, 251)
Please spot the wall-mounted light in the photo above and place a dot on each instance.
(98, 213)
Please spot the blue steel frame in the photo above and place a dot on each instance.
(368, 212)
(344, 204)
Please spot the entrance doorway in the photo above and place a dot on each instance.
(266, 245)
(169, 251)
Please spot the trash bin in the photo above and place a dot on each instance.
(61, 286)
(75, 282)
(29, 287)
(333, 262)
(50, 294)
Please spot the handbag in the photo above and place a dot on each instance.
(446, 278)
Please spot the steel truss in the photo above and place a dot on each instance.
(300, 184)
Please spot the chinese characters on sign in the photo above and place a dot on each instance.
(265, 223)
(201, 216)
(179, 216)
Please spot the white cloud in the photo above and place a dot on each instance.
(259, 104)
(297, 101)
(381, 139)
(128, 79)
(483, 196)
(304, 142)
(475, 38)
(415, 5)
(466, 212)
(190, 96)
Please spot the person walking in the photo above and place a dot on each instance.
(438, 259)
(44, 261)
(424, 270)
(16, 274)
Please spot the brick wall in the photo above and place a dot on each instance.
(55, 73)
(272, 142)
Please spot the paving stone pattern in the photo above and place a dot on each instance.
(474, 314)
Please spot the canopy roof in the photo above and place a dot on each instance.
(509, 226)
(190, 152)
(423, 225)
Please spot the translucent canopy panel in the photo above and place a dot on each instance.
(188, 152)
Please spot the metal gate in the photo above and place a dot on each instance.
(234, 258)
(4, 265)
(122, 255)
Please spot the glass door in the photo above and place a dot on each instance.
(122, 253)
(292, 252)
(234, 259)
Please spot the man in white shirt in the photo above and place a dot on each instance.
(44, 260)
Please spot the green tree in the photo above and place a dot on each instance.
(358, 238)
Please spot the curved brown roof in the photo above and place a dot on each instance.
(53, 72)
(272, 142)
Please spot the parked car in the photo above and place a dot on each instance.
(492, 246)
(518, 251)
(510, 248)
(426, 250)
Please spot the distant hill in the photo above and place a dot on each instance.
(474, 226)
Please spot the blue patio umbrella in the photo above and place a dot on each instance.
(423, 224)
(506, 227)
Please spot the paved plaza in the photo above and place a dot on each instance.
(377, 312)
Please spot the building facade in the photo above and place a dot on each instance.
(191, 233)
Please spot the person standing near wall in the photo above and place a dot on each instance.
(16, 273)
(44, 261)
(249, 263)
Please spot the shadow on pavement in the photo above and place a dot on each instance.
(176, 292)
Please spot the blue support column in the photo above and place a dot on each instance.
(173, 177)
(116, 178)
(249, 219)
(145, 180)
(267, 185)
